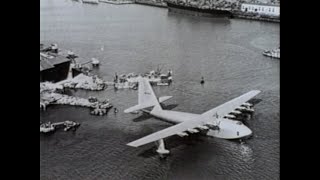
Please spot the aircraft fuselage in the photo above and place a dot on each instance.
(228, 129)
(174, 117)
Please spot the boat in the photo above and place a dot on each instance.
(46, 127)
(162, 84)
(275, 53)
(130, 81)
(198, 11)
(54, 66)
(125, 85)
(90, 1)
(70, 125)
(78, 69)
(95, 62)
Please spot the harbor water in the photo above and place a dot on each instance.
(137, 38)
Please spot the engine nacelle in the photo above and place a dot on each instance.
(229, 116)
(182, 134)
(213, 126)
(245, 109)
(202, 127)
(235, 112)
(192, 130)
(247, 104)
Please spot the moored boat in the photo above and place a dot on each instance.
(90, 1)
(198, 11)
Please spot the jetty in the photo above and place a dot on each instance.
(51, 127)
(47, 98)
(49, 94)
(130, 81)
(86, 82)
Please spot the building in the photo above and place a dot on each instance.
(262, 9)
(53, 68)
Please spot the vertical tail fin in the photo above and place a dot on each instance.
(146, 96)
(146, 93)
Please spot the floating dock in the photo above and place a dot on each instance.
(49, 95)
(51, 127)
(93, 83)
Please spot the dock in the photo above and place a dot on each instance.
(93, 83)
(130, 81)
(49, 95)
(51, 127)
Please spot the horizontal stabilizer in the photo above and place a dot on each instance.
(164, 98)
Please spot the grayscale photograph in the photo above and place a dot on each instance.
(159, 89)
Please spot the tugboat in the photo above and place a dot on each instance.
(46, 127)
(185, 7)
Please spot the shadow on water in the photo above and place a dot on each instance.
(169, 107)
(143, 117)
(195, 19)
(255, 101)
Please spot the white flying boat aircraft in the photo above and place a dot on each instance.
(214, 121)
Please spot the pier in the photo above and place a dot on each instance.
(51, 127)
(93, 83)
(49, 95)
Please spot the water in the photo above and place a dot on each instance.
(136, 38)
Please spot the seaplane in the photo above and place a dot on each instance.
(214, 123)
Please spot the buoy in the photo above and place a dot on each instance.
(202, 80)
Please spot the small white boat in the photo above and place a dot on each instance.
(95, 62)
(46, 127)
(162, 84)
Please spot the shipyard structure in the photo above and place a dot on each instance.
(54, 67)
(226, 8)
(201, 8)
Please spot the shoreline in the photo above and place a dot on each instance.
(116, 2)
(160, 5)
(241, 15)
(235, 13)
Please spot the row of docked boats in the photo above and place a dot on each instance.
(130, 81)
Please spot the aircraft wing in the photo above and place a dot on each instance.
(137, 107)
(207, 117)
(229, 106)
(164, 133)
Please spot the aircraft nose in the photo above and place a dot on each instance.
(246, 131)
